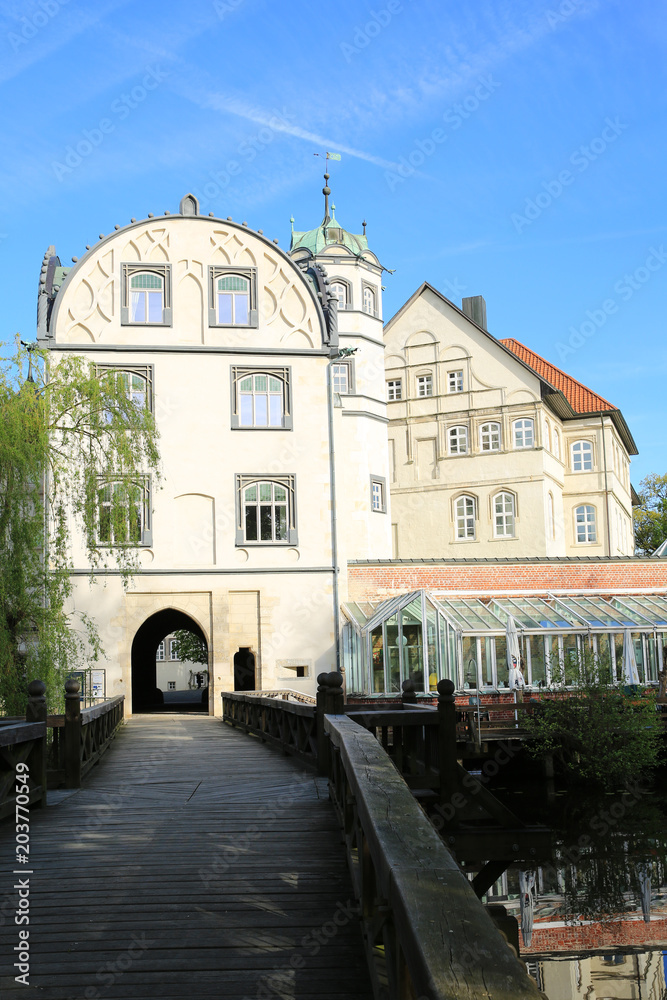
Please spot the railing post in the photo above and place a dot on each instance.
(330, 701)
(36, 712)
(447, 753)
(72, 734)
(409, 696)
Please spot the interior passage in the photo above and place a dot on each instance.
(196, 862)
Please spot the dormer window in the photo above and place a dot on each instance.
(232, 296)
(146, 294)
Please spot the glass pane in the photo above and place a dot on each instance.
(275, 385)
(571, 659)
(251, 493)
(604, 657)
(538, 665)
(486, 650)
(639, 656)
(154, 307)
(224, 309)
(245, 415)
(261, 382)
(265, 491)
(261, 411)
(280, 493)
(502, 668)
(105, 523)
(276, 411)
(281, 523)
(393, 654)
(137, 307)
(251, 524)
(652, 644)
(266, 524)
(232, 283)
(432, 639)
(412, 644)
(469, 661)
(378, 660)
(135, 522)
(241, 309)
(146, 281)
(246, 384)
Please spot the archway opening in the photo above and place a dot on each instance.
(244, 669)
(188, 691)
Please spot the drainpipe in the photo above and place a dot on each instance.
(606, 486)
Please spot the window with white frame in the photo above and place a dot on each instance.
(556, 442)
(123, 512)
(524, 433)
(504, 514)
(369, 301)
(146, 294)
(582, 456)
(137, 383)
(424, 385)
(465, 517)
(173, 649)
(261, 398)
(232, 296)
(266, 510)
(339, 290)
(455, 381)
(171, 685)
(458, 440)
(159, 654)
(489, 437)
(394, 389)
(341, 377)
(584, 520)
(378, 494)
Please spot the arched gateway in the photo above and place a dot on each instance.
(145, 694)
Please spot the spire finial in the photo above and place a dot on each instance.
(364, 224)
(326, 191)
(292, 222)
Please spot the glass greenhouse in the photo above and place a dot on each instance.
(426, 638)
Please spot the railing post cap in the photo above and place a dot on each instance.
(408, 685)
(446, 689)
(334, 679)
(322, 682)
(36, 689)
(72, 686)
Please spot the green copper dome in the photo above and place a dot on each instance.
(328, 233)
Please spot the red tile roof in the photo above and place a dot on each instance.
(580, 398)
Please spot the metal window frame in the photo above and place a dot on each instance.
(146, 372)
(238, 372)
(216, 271)
(288, 481)
(164, 271)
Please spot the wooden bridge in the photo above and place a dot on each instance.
(196, 861)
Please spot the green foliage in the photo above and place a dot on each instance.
(650, 517)
(599, 733)
(64, 432)
(191, 647)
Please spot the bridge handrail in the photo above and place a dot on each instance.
(81, 736)
(24, 745)
(291, 726)
(284, 693)
(421, 917)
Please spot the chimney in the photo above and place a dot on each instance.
(475, 309)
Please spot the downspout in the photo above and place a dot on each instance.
(606, 486)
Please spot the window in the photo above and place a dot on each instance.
(266, 510)
(232, 296)
(124, 513)
(394, 389)
(171, 685)
(503, 515)
(551, 527)
(137, 382)
(547, 436)
(584, 519)
(342, 380)
(339, 290)
(556, 442)
(523, 433)
(378, 494)
(455, 381)
(465, 517)
(458, 440)
(261, 398)
(173, 649)
(369, 301)
(146, 294)
(159, 654)
(489, 437)
(424, 385)
(582, 456)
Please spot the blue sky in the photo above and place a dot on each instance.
(510, 149)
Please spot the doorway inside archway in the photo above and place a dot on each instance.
(186, 694)
(244, 669)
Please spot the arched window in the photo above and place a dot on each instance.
(369, 300)
(339, 291)
(556, 442)
(489, 437)
(582, 456)
(503, 515)
(524, 434)
(551, 527)
(261, 401)
(458, 440)
(233, 300)
(123, 513)
(266, 509)
(146, 297)
(465, 517)
(584, 520)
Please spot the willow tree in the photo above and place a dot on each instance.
(68, 430)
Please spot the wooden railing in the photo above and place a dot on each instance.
(426, 934)
(23, 756)
(80, 736)
(285, 724)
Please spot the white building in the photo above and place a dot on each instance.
(231, 342)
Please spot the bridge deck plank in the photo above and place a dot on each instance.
(143, 884)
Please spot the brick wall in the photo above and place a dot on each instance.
(610, 934)
(387, 579)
